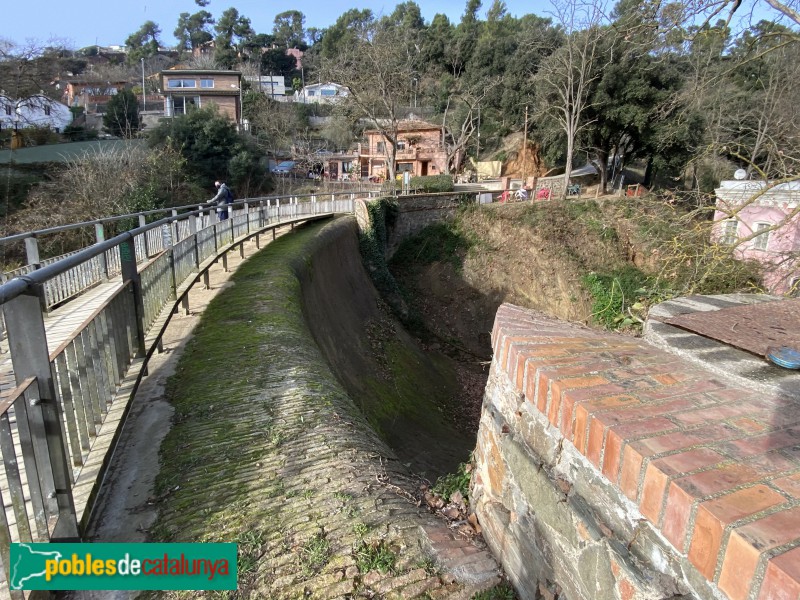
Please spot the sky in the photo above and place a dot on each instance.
(90, 22)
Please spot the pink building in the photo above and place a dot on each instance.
(420, 150)
(768, 220)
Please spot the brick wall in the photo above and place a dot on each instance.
(607, 468)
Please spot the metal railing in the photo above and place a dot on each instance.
(50, 420)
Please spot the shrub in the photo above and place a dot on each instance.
(433, 183)
(616, 294)
(446, 485)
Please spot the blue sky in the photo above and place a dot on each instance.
(88, 22)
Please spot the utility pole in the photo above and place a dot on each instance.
(524, 144)
(144, 94)
(478, 151)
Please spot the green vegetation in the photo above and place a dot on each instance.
(454, 482)
(372, 244)
(502, 591)
(374, 556)
(618, 296)
(432, 184)
(121, 118)
(314, 553)
(440, 242)
(212, 149)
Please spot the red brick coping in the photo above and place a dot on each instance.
(715, 467)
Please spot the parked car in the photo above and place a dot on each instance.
(284, 168)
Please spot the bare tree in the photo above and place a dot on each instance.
(377, 70)
(565, 79)
(460, 119)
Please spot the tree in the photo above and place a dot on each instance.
(26, 70)
(143, 43)
(567, 76)
(350, 28)
(110, 181)
(122, 115)
(377, 69)
(233, 30)
(276, 61)
(213, 150)
(460, 120)
(289, 29)
(193, 30)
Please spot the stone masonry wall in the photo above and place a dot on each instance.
(415, 213)
(606, 468)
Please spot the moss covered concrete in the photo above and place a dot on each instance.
(268, 449)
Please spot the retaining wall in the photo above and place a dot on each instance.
(415, 213)
(606, 468)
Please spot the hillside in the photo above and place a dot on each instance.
(596, 262)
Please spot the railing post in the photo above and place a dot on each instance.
(193, 232)
(30, 358)
(127, 256)
(142, 223)
(175, 231)
(100, 235)
(32, 252)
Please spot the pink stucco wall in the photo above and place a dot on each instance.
(777, 207)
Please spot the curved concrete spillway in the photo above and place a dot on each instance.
(269, 450)
(403, 392)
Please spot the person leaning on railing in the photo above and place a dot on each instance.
(222, 199)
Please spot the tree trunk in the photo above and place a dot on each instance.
(601, 164)
(568, 166)
(649, 172)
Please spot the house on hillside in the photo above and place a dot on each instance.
(91, 94)
(321, 92)
(35, 111)
(420, 151)
(184, 89)
(273, 86)
(298, 57)
(771, 215)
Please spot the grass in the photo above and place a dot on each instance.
(374, 556)
(314, 554)
(502, 591)
(440, 242)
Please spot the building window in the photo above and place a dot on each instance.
(327, 92)
(761, 240)
(46, 110)
(380, 148)
(181, 83)
(183, 104)
(728, 235)
(206, 83)
(401, 144)
(8, 110)
(312, 93)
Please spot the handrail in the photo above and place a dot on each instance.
(103, 220)
(38, 276)
(19, 285)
